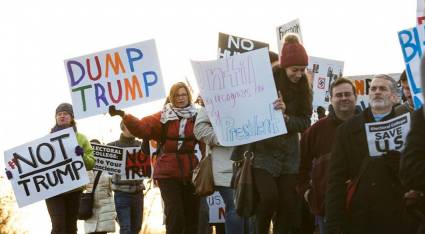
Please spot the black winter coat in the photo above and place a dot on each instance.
(377, 205)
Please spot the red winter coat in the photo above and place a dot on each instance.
(171, 163)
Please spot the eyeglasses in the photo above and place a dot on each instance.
(183, 95)
(344, 94)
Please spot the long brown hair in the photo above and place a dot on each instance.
(301, 90)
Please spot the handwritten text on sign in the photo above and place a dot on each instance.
(138, 164)
(124, 76)
(412, 43)
(238, 93)
(45, 167)
(387, 135)
(109, 159)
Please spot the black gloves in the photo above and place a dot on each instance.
(113, 111)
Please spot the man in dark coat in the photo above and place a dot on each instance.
(316, 145)
(377, 204)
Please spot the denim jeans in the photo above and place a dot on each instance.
(233, 222)
(129, 207)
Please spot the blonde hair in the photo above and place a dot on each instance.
(174, 90)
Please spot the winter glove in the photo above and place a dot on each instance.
(79, 151)
(113, 111)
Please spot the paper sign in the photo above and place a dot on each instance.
(412, 43)
(138, 164)
(45, 167)
(238, 93)
(387, 135)
(229, 45)
(290, 27)
(109, 159)
(123, 76)
(324, 71)
(217, 208)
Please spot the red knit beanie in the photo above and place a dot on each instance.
(293, 53)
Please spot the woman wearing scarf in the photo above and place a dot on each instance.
(172, 128)
(63, 208)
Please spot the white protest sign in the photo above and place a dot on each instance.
(229, 45)
(45, 167)
(109, 159)
(387, 135)
(290, 27)
(123, 76)
(138, 165)
(216, 207)
(412, 43)
(238, 93)
(324, 72)
(420, 12)
(362, 85)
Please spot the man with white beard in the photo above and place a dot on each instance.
(376, 205)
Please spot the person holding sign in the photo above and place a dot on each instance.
(276, 159)
(128, 193)
(412, 165)
(373, 200)
(172, 128)
(316, 145)
(63, 208)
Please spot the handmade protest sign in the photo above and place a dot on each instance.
(109, 159)
(123, 76)
(216, 208)
(324, 71)
(238, 93)
(362, 85)
(138, 164)
(412, 43)
(290, 27)
(387, 135)
(229, 45)
(45, 167)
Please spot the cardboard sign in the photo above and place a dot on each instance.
(324, 72)
(109, 159)
(387, 135)
(45, 167)
(123, 76)
(238, 93)
(229, 45)
(412, 43)
(138, 165)
(362, 84)
(216, 207)
(290, 27)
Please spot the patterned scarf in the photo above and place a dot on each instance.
(57, 128)
(173, 113)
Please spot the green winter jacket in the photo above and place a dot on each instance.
(88, 157)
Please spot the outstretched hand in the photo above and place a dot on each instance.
(113, 111)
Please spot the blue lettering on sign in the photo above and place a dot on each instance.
(412, 44)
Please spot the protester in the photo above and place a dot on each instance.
(103, 219)
(412, 168)
(172, 128)
(128, 193)
(377, 203)
(321, 112)
(222, 169)
(276, 159)
(63, 208)
(316, 145)
(407, 105)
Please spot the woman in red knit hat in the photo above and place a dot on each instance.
(277, 159)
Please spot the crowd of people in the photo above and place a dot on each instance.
(317, 177)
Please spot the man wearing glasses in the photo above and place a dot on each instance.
(316, 145)
(376, 204)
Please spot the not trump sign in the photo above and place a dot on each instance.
(45, 167)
